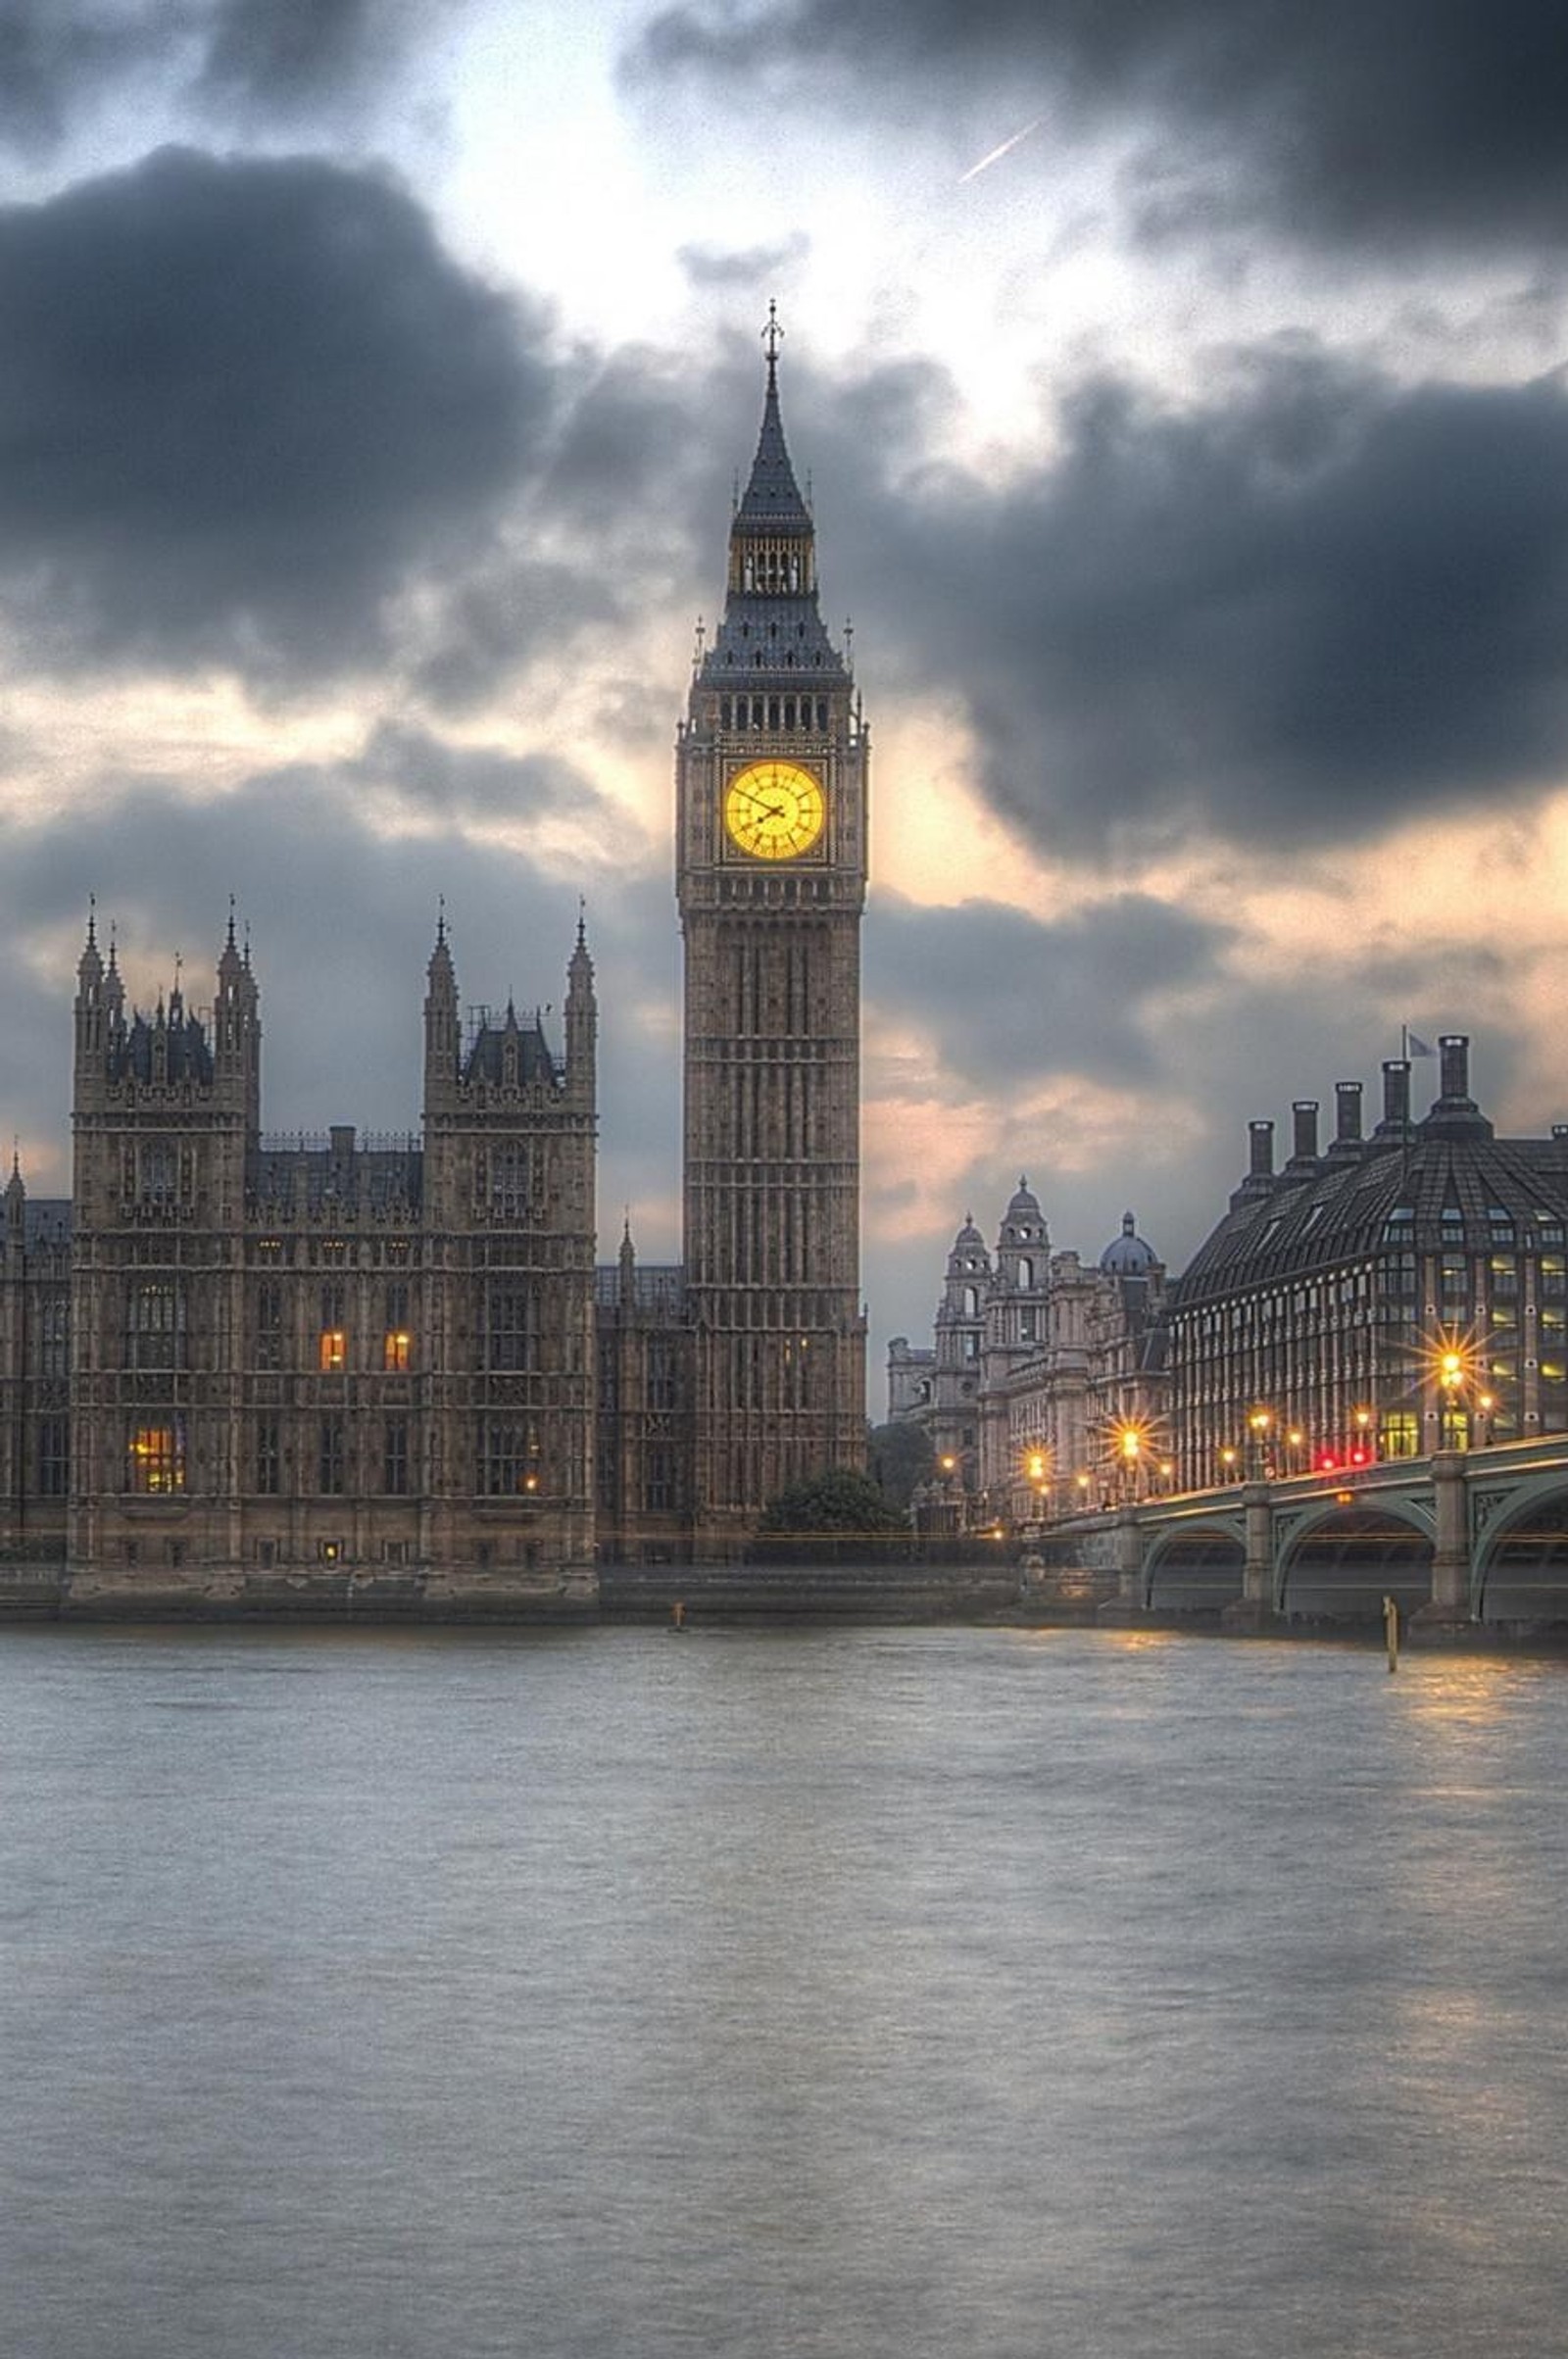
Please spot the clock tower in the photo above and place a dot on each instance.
(770, 776)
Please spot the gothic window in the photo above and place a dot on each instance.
(269, 1324)
(156, 1324)
(660, 1487)
(397, 1352)
(395, 1458)
(508, 1464)
(156, 1171)
(331, 1455)
(662, 1383)
(268, 1457)
(510, 1336)
(54, 1341)
(508, 1180)
(333, 1349)
(154, 1459)
(1026, 1271)
(54, 1457)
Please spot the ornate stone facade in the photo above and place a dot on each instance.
(771, 782)
(318, 1355)
(232, 1351)
(1040, 1369)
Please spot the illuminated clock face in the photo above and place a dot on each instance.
(775, 810)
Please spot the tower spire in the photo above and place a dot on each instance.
(773, 502)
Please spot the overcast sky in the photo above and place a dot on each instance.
(1180, 392)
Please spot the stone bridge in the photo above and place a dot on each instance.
(1461, 1537)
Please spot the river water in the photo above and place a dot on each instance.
(853, 1992)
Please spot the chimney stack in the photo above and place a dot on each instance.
(1259, 1165)
(1347, 1113)
(1395, 1095)
(1454, 1050)
(1260, 1142)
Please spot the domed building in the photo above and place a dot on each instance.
(1039, 1361)
(1391, 1293)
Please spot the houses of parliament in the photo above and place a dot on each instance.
(229, 1357)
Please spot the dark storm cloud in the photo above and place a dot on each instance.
(276, 60)
(473, 782)
(240, 404)
(1007, 999)
(1341, 120)
(286, 56)
(1309, 609)
(341, 920)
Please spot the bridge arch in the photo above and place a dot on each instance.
(1194, 1567)
(1519, 1556)
(1340, 1560)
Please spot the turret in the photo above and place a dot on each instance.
(16, 1210)
(582, 1021)
(90, 1010)
(236, 1028)
(442, 1029)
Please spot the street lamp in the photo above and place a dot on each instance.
(948, 1467)
(1227, 1464)
(1258, 1422)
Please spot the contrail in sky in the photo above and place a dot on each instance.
(997, 153)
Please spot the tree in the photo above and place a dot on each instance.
(902, 1458)
(841, 1501)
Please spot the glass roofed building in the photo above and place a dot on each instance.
(1391, 1293)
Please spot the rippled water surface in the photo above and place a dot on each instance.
(846, 1992)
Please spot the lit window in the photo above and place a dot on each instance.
(157, 1459)
(334, 1349)
(397, 1352)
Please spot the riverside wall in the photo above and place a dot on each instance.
(877, 1591)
